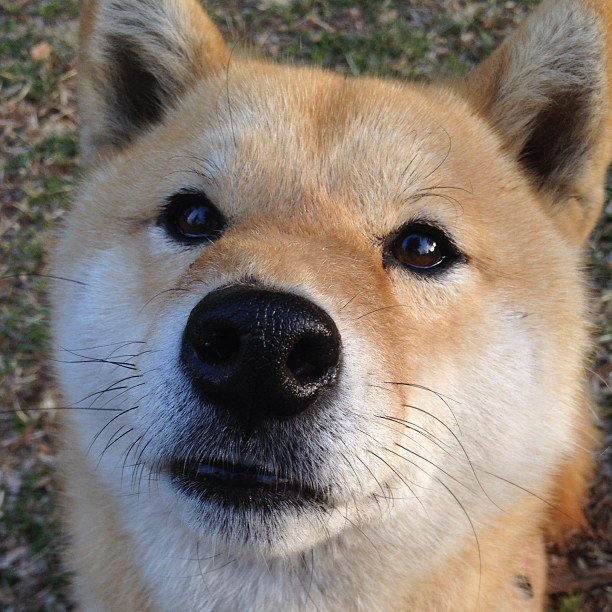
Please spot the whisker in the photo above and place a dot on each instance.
(121, 344)
(540, 498)
(171, 290)
(452, 433)
(114, 438)
(227, 92)
(126, 365)
(429, 462)
(347, 303)
(108, 423)
(441, 397)
(112, 387)
(382, 446)
(399, 476)
(444, 196)
(51, 409)
(446, 156)
(127, 454)
(371, 312)
(38, 275)
(434, 187)
(473, 527)
(367, 467)
(139, 466)
(201, 571)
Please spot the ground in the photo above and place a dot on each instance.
(39, 168)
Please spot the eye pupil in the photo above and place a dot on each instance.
(420, 251)
(190, 217)
(422, 248)
(420, 245)
(198, 221)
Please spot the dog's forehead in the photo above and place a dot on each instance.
(289, 136)
(317, 121)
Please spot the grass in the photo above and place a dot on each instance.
(400, 38)
(38, 133)
(572, 603)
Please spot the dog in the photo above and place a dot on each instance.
(326, 339)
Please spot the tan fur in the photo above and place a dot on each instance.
(117, 584)
(461, 431)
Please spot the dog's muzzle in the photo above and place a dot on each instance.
(260, 354)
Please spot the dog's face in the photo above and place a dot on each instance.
(305, 304)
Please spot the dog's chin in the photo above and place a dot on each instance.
(247, 506)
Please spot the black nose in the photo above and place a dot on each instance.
(260, 354)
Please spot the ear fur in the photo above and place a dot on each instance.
(546, 91)
(137, 58)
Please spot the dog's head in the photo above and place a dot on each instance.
(305, 303)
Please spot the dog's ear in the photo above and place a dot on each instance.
(137, 58)
(547, 93)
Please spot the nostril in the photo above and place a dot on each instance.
(217, 344)
(313, 359)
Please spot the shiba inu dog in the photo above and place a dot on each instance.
(325, 346)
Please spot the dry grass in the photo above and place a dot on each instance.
(40, 162)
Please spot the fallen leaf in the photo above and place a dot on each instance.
(41, 52)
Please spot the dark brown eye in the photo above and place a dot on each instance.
(423, 248)
(190, 217)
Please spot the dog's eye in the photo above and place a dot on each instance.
(423, 248)
(190, 217)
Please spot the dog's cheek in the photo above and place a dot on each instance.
(496, 406)
(100, 340)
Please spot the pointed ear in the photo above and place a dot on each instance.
(546, 91)
(137, 59)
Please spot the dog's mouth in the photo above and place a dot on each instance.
(235, 483)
